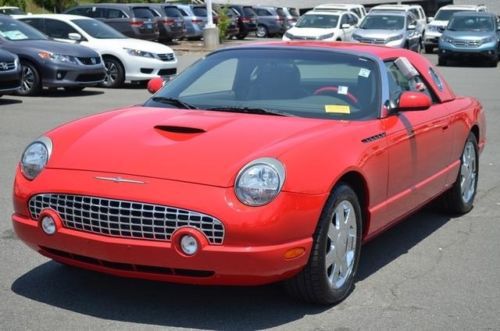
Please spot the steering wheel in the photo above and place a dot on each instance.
(335, 89)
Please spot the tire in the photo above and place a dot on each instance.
(459, 199)
(321, 281)
(419, 47)
(241, 36)
(74, 88)
(30, 80)
(494, 61)
(115, 74)
(429, 49)
(262, 31)
(442, 61)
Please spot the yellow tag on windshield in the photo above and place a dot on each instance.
(338, 109)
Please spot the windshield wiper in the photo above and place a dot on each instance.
(250, 110)
(173, 101)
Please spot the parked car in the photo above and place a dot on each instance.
(49, 63)
(195, 20)
(357, 9)
(11, 10)
(438, 23)
(470, 34)
(416, 10)
(291, 16)
(125, 59)
(170, 21)
(393, 29)
(10, 72)
(327, 25)
(134, 21)
(247, 19)
(122, 192)
(270, 21)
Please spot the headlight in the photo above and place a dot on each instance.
(35, 157)
(487, 40)
(260, 181)
(326, 36)
(136, 52)
(448, 40)
(58, 57)
(432, 28)
(288, 35)
(394, 38)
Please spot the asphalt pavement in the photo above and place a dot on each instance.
(430, 272)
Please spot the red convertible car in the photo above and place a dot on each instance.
(261, 163)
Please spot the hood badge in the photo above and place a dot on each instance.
(120, 180)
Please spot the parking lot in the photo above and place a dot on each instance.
(429, 272)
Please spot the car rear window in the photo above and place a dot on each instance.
(143, 12)
(280, 12)
(200, 11)
(172, 11)
(248, 11)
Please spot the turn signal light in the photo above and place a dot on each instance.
(294, 252)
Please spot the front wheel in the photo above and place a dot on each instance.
(329, 275)
(261, 31)
(442, 61)
(429, 49)
(459, 199)
(115, 74)
(30, 80)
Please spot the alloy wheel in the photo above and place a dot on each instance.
(28, 79)
(468, 173)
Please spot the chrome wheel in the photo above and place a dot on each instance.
(112, 73)
(341, 244)
(28, 80)
(261, 31)
(468, 172)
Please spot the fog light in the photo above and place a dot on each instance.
(48, 225)
(59, 75)
(189, 245)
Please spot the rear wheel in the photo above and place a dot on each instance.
(329, 275)
(429, 49)
(261, 31)
(442, 61)
(460, 198)
(115, 74)
(30, 80)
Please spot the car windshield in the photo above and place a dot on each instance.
(15, 31)
(318, 21)
(289, 82)
(446, 14)
(97, 29)
(383, 22)
(471, 23)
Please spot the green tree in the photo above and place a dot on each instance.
(17, 3)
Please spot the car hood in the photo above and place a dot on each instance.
(378, 34)
(51, 46)
(311, 32)
(142, 45)
(468, 35)
(204, 147)
(438, 23)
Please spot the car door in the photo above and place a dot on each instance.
(419, 147)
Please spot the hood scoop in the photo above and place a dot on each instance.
(178, 133)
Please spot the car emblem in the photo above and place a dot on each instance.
(4, 66)
(120, 180)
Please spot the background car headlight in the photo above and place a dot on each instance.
(326, 36)
(487, 40)
(136, 52)
(58, 57)
(394, 38)
(289, 35)
(260, 181)
(35, 157)
(448, 40)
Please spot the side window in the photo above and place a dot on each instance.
(399, 83)
(345, 20)
(357, 11)
(411, 20)
(115, 13)
(58, 29)
(37, 23)
(85, 11)
(354, 19)
(211, 82)
(415, 12)
(96, 12)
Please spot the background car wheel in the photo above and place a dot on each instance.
(442, 61)
(30, 80)
(115, 74)
(329, 275)
(429, 49)
(494, 61)
(74, 88)
(418, 48)
(460, 198)
(241, 36)
(261, 31)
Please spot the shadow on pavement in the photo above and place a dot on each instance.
(61, 93)
(4, 100)
(205, 307)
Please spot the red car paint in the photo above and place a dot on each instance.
(399, 172)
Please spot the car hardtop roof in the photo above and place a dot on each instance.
(474, 13)
(111, 5)
(326, 12)
(389, 12)
(339, 5)
(396, 7)
(463, 7)
(63, 17)
(9, 7)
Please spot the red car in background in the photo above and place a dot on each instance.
(262, 163)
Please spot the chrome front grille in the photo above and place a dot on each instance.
(467, 43)
(8, 65)
(125, 219)
(372, 41)
(166, 57)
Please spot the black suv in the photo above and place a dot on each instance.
(133, 20)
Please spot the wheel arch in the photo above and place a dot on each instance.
(475, 131)
(114, 57)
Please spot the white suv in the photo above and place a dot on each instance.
(438, 23)
(359, 10)
(416, 10)
(125, 59)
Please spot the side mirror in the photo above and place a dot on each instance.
(409, 101)
(74, 36)
(155, 84)
(346, 26)
(412, 27)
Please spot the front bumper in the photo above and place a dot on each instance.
(61, 75)
(139, 68)
(487, 50)
(253, 251)
(431, 38)
(10, 80)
